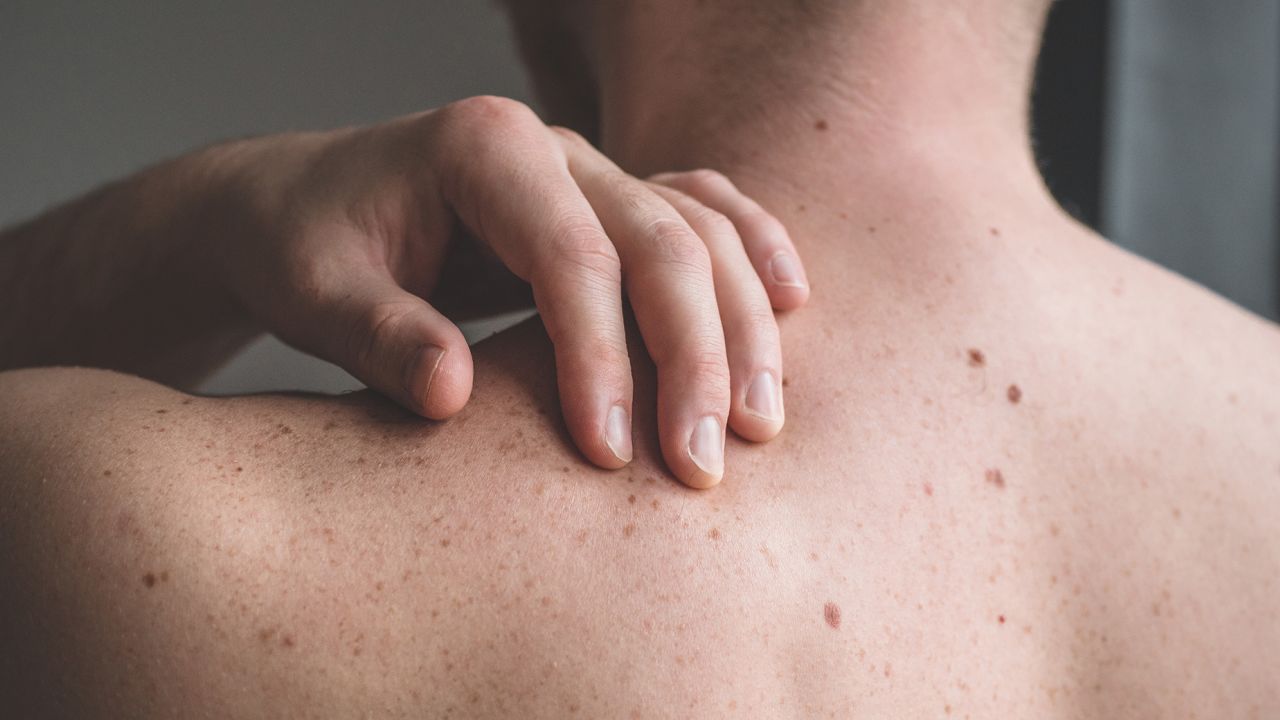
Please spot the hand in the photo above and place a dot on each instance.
(350, 229)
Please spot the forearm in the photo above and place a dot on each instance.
(126, 277)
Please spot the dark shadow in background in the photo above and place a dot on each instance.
(1068, 105)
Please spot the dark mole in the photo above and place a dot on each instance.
(239, 469)
(161, 412)
(106, 473)
(786, 381)
(714, 533)
(1015, 394)
(820, 125)
(629, 529)
(149, 580)
(995, 477)
(631, 499)
(831, 613)
(928, 488)
(1001, 619)
(976, 358)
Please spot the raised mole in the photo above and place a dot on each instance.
(1015, 394)
(831, 613)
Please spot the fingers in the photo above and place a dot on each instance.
(668, 273)
(520, 199)
(397, 344)
(764, 238)
(750, 330)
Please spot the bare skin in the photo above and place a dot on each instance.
(1024, 474)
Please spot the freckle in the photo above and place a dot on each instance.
(654, 504)
(888, 670)
(239, 469)
(831, 613)
(629, 529)
(976, 358)
(161, 412)
(1015, 394)
(786, 381)
(149, 580)
(995, 477)
(813, 556)
(801, 207)
(285, 430)
(631, 499)
(266, 634)
(995, 232)
(1054, 530)
(330, 425)
(714, 533)
(928, 489)
(820, 125)
(444, 542)
(106, 473)
(844, 216)
(545, 601)
(564, 469)
(651, 480)
(1001, 619)
(946, 709)
(871, 229)
(286, 641)
(186, 402)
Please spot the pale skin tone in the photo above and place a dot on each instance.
(923, 540)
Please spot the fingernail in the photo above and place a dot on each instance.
(706, 447)
(617, 433)
(785, 270)
(427, 361)
(764, 398)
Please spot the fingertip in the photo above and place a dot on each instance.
(439, 382)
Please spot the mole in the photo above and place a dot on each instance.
(1015, 394)
(629, 529)
(976, 358)
(995, 232)
(106, 473)
(995, 477)
(714, 533)
(831, 613)
(821, 125)
(149, 580)
(1001, 619)
(631, 499)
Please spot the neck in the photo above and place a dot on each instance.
(867, 120)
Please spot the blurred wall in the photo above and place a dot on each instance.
(93, 91)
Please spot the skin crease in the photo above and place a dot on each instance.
(913, 544)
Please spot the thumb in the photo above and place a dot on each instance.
(397, 344)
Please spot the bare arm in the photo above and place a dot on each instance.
(120, 278)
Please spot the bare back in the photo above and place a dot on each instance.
(1043, 489)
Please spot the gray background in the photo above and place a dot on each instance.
(93, 91)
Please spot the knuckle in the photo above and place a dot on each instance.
(581, 246)
(714, 221)
(709, 365)
(474, 121)
(371, 330)
(568, 135)
(704, 181)
(674, 243)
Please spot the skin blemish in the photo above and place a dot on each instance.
(1001, 619)
(149, 580)
(629, 529)
(161, 411)
(714, 533)
(821, 125)
(106, 473)
(186, 402)
(786, 381)
(928, 489)
(164, 576)
(631, 499)
(1014, 394)
(831, 614)
(286, 641)
(654, 504)
(871, 229)
(995, 477)
(813, 556)
(265, 634)
(445, 542)
(976, 358)
(995, 232)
